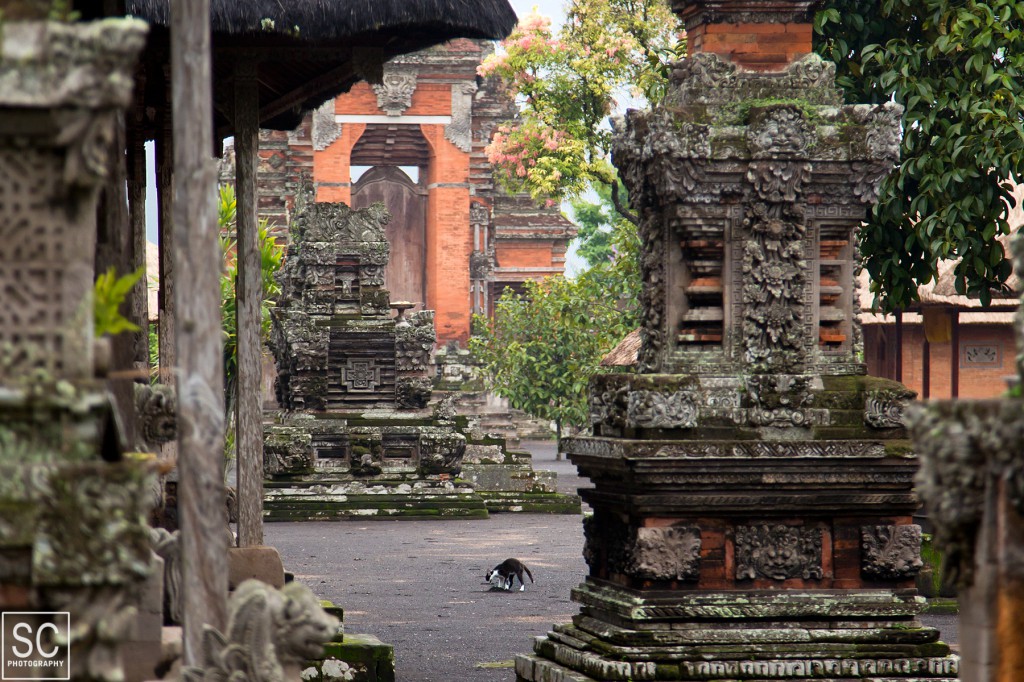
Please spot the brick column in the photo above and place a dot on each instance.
(332, 167)
(449, 239)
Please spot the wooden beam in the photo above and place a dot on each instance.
(201, 504)
(306, 90)
(138, 301)
(249, 297)
(954, 363)
(899, 345)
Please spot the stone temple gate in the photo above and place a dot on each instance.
(753, 493)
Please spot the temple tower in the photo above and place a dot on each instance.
(753, 490)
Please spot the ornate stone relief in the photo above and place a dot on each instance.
(414, 339)
(325, 128)
(779, 132)
(412, 392)
(884, 409)
(394, 94)
(157, 407)
(460, 131)
(962, 446)
(778, 552)
(481, 263)
(779, 400)
(361, 375)
(773, 291)
(167, 546)
(668, 553)
(268, 631)
(655, 410)
(891, 552)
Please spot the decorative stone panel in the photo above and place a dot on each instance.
(884, 409)
(778, 552)
(654, 410)
(394, 94)
(891, 552)
(670, 553)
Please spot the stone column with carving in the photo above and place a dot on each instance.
(73, 533)
(753, 490)
(972, 484)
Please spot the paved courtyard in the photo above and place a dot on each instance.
(418, 585)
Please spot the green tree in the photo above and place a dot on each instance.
(271, 255)
(543, 345)
(567, 86)
(956, 67)
(597, 222)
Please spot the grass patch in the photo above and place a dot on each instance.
(487, 665)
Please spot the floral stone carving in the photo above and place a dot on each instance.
(778, 552)
(654, 410)
(884, 409)
(891, 552)
(671, 553)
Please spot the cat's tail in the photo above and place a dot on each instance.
(528, 572)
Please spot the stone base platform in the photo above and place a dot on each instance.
(326, 500)
(358, 658)
(507, 482)
(740, 636)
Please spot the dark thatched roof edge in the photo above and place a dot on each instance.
(334, 20)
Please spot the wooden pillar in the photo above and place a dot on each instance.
(249, 296)
(167, 357)
(138, 303)
(926, 366)
(201, 505)
(899, 345)
(954, 360)
(165, 217)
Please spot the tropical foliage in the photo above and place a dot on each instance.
(567, 85)
(956, 66)
(544, 344)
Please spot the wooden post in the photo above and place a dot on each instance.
(954, 361)
(249, 296)
(926, 365)
(899, 345)
(201, 505)
(139, 297)
(168, 358)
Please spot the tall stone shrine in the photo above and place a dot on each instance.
(753, 490)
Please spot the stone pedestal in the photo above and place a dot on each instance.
(753, 491)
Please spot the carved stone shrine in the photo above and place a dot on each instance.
(357, 434)
(972, 483)
(753, 490)
(73, 533)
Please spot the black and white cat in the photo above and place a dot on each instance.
(504, 574)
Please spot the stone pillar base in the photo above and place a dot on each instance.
(620, 635)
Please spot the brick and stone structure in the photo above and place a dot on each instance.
(357, 434)
(753, 490)
(456, 240)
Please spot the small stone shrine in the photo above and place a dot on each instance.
(753, 493)
(357, 434)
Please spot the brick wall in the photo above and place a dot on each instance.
(978, 377)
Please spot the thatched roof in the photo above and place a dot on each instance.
(332, 21)
(314, 50)
(624, 354)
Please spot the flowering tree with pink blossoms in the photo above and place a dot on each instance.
(568, 84)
